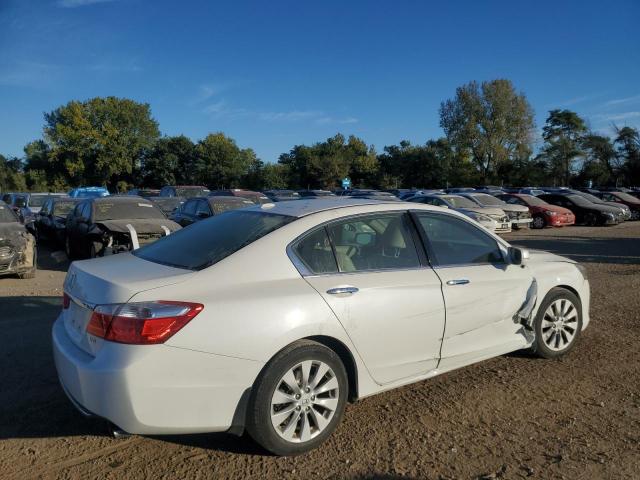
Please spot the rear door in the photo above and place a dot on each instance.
(370, 272)
(482, 291)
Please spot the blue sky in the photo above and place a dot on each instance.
(279, 73)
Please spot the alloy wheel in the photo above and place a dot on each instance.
(304, 401)
(538, 222)
(560, 324)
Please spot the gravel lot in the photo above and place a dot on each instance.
(510, 417)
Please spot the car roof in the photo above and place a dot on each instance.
(303, 208)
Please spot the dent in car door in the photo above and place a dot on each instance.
(482, 292)
(394, 315)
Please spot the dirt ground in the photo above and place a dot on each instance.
(510, 417)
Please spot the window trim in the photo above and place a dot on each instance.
(431, 252)
(304, 271)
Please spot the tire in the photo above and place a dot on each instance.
(538, 222)
(558, 324)
(31, 273)
(299, 411)
(71, 254)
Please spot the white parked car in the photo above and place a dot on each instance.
(271, 318)
(519, 215)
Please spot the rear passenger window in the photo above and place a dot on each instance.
(457, 242)
(315, 252)
(377, 242)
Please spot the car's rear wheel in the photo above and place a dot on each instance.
(558, 324)
(538, 222)
(298, 399)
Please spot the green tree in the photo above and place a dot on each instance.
(171, 161)
(627, 143)
(220, 163)
(324, 164)
(600, 159)
(562, 134)
(99, 141)
(274, 176)
(11, 175)
(490, 122)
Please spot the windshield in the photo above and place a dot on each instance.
(591, 198)
(130, 209)
(460, 202)
(532, 200)
(579, 200)
(626, 197)
(37, 200)
(223, 205)
(485, 199)
(7, 215)
(61, 209)
(209, 241)
(191, 192)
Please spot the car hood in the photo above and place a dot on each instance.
(116, 278)
(514, 208)
(142, 226)
(482, 210)
(542, 256)
(606, 208)
(556, 208)
(12, 231)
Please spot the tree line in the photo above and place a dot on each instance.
(489, 138)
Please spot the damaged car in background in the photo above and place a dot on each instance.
(108, 225)
(17, 245)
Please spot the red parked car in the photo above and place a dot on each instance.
(544, 214)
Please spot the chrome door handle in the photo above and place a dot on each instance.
(342, 290)
(462, 281)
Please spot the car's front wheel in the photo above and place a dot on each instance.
(298, 399)
(558, 324)
(538, 222)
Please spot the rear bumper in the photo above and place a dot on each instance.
(153, 389)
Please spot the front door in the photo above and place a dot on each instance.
(389, 302)
(482, 290)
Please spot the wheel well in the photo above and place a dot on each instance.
(571, 289)
(347, 360)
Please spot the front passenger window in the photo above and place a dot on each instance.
(376, 242)
(457, 242)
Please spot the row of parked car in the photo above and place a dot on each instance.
(89, 222)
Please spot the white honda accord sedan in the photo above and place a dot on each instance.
(271, 318)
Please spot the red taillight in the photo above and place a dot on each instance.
(142, 323)
(66, 301)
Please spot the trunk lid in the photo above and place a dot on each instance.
(107, 280)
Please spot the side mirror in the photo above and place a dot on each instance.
(518, 256)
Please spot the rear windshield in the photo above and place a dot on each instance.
(130, 209)
(7, 215)
(63, 208)
(191, 192)
(207, 242)
(220, 206)
(460, 202)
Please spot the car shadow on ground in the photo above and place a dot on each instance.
(587, 249)
(33, 403)
(52, 257)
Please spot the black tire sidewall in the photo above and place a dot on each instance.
(259, 409)
(533, 224)
(539, 346)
